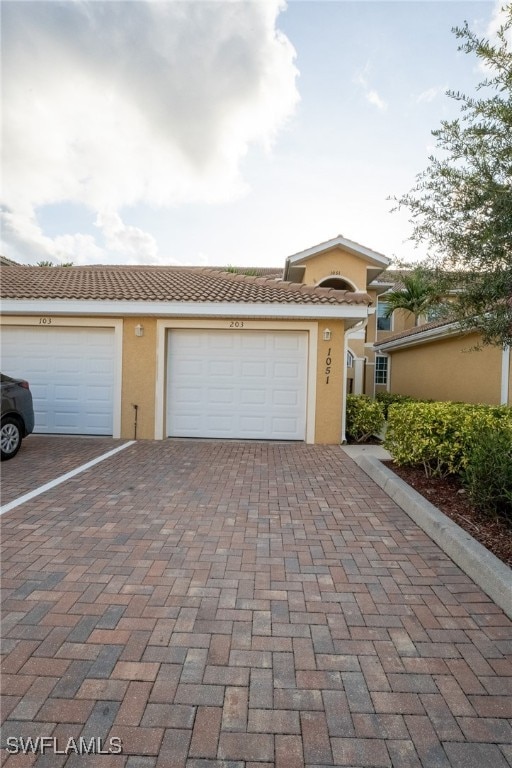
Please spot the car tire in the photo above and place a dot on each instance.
(10, 437)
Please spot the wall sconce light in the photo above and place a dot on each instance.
(139, 330)
(327, 335)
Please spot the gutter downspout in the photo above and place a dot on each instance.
(505, 375)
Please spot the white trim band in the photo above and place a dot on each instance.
(182, 309)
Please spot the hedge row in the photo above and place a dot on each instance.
(390, 398)
(472, 441)
(365, 417)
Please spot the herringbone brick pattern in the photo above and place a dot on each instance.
(43, 458)
(245, 604)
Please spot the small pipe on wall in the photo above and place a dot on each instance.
(136, 409)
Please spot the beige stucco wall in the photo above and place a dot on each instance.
(446, 370)
(336, 263)
(330, 383)
(139, 378)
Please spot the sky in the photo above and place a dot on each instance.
(221, 133)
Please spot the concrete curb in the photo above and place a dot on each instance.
(486, 570)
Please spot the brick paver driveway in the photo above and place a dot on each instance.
(234, 604)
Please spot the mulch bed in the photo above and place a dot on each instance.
(448, 495)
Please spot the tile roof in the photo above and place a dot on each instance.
(178, 284)
(416, 330)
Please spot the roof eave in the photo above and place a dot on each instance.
(91, 307)
(421, 337)
(378, 259)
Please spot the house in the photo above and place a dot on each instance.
(154, 352)
(436, 361)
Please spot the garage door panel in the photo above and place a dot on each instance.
(285, 398)
(218, 396)
(286, 343)
(70, 392)
(98, 420)
(71, 376)
(283, 426)
(253, 397)
(221, 423)
(184, 396)
(244, 387)
(223, 342)
(66, 365)
(251, 369)
(187, 421)
(188, 367)
(254, 424)
(285, 370)
(66, 419)
(98, 394)
(220, 368)
(255, 342)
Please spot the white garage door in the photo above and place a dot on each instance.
(71, 376)
(236, 384)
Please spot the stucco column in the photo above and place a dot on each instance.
(359, 375)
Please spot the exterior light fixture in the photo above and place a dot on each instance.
(139, 330)
(327, 334)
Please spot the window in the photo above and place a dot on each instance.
(381, 369)
(383, 323)
(350, 360)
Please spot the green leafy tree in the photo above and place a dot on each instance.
(461, 205)
(417, 293)
(47, 263)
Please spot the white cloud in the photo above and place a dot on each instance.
(498, 18)
(110, 104)
(374, 98)
(132, 242)
(429, 95)
(26, 243)
(500, 13)
(371, 95)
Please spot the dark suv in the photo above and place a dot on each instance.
(17, 415)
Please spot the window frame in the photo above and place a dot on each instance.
(379, 316)
(379, 370)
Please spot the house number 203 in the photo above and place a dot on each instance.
(328, 361)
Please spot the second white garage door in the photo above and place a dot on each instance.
(71, 376)
(237, 384)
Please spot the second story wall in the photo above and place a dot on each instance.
(336, 263)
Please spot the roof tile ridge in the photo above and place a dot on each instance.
(356, 297)
(415, 330)
(240, 277)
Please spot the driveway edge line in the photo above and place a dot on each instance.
(62, 479)
(486, 570)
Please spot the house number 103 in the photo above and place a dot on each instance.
(45, 321)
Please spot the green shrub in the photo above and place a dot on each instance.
(488, 472)
(390, 398)
(365, 417)
(438, 435)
